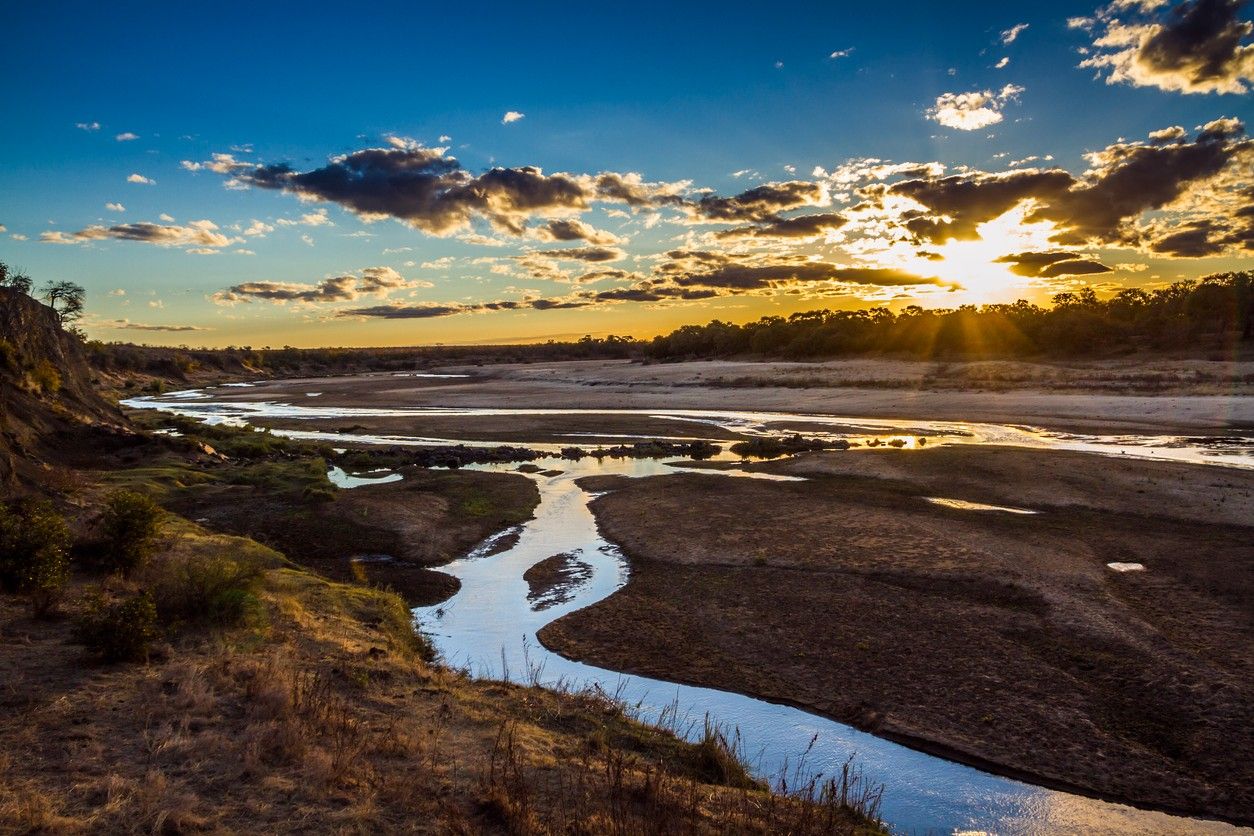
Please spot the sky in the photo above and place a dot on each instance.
(403, 174)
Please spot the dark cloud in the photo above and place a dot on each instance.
(958, 204)
(426, 189)
(805, 226)
(646, 292)
(572, 229)
(688, 268)
(127, 325)
(200, 234)
(1052, 264)
(404, 311)
(1207, 237)
(761, 203)
(592, 254)
(1132, 178)
(373, 281)
(1127, 180)
(1195, 47)
(433, 192)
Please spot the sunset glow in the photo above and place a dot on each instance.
(460, 195)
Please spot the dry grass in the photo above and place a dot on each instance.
(321, 715)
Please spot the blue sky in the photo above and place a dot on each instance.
(690, 95)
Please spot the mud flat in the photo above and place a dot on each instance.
(389, 534)
(995, 638)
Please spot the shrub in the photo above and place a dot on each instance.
(8, 355)
(46, 377)
(34, 544)
(131, 522)
(205, 590)
(120, 631)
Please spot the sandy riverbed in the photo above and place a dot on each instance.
(997, 638)
(1194, 396)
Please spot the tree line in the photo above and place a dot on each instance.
(1204, 314)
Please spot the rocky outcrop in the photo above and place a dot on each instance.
(49, 410)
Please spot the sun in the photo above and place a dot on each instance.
(973, 264)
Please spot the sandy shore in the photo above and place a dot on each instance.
(1182, 396)
(996, 638)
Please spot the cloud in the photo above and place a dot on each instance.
(258, 229)
(592, 254)
(203, 235)
(1052, 264)
(512, 116)
(573, 229)
(405, 311)
(1209, 237)
(1103, 206)
(316, 218)
(803, 227)
(115, 207)
(432, 192)
(842, 53)
(959, 203)
(219, 164)
(974, 110)
(126, 137)
(139, 178)
(127, 325)
(1197, 46)
(87, 126)
(761, 203)
(702, 268)
(370, 281)
(1009, 36)
(1001, 65)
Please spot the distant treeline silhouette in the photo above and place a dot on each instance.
(1188, 315)
(1193, 316)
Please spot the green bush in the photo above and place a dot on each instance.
(46, 377)
(119, 631)
(34, 552)
(131, 522)
(205, 590)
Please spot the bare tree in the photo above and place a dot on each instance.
(67, 299)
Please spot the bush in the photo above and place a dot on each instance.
(205, 590)
(34, 544)
(121, 631)
(46, 377)
(8, 356)
(131, 522)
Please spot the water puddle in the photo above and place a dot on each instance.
(1126, 567)
(883, 435)
(963, 505)
(341, 479)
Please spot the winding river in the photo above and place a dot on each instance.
(490, 626)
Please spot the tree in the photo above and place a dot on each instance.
(15, 279)
(130, 523)
(67, 299)
(34, 552)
